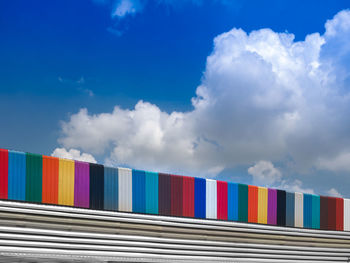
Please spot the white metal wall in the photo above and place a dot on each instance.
(346, 214)
(211, 198)
(299, 210)
(125, 189)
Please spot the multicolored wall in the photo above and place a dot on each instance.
(50, 180)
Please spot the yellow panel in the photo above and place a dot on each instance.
(262, 205)
(66, 182)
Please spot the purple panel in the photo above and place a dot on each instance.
(81, 184)
(272, 207)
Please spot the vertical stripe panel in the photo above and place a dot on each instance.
(34, 167)
(346, 214)
(211, 199)
(299, 210)
(188, 196)
(16, 176)
(151, 193)
(332, 213)
(138, 191)
(81, 184)
(3, 173)
(339, 224)
(66, 182)
(221, 200)
(232, 201)
(164, 194)
(307, 211)
(176, 195)
(252, 204)
(199, 197)
(110, 201)
(242, 203)
(290, 208)
(50, 180)
(124, 189)
(315, 212)
(262, 205)
(96, 186)
(272, 207)
(281, 208)
(324, 213)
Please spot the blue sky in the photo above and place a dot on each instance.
(57, 57)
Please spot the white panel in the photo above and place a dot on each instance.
(346, 214)
(211, 199)
(125, 189)
(299, 210)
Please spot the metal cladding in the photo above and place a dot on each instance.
(49, 180)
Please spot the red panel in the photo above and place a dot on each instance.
(4, 167)
(176, 195)
(332, 212)
(339, 214)
(188, 196)
(221, 200)
(252, 204)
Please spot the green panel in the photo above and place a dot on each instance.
(34, 175)
(316, 212)
(242, 203)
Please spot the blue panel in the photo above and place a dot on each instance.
(138, 191)
(17, 176)
(232, 202)
(111, 188)
(290, 208)
(307, 210)
(199, 197)
(316, 212)
(151, 193)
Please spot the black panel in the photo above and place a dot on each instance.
(96, 186)
(281, 208)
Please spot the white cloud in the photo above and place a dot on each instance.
(334, 192)
(73, 154)
(126, 7)
(263, 96)
(338, 163)
(264, 173)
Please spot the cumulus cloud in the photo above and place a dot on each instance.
(334, 192)
(264, 173)
(263, 96)
(73, 154)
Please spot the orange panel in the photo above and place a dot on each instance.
(50, 180)
(253, 193)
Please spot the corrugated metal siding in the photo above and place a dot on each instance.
(96, 186)
(315, 212)
(16, 176)
(252, 204)
(50, 180)
(3, 173)
(299, 210)
(290, 208)
(272, 207)
(221, 200)
(176, 195)
(281, 208)
(332, 211)
(66, 182)
(124, 189)
(199, 198)
(164, 204)
(347, 214)
(307, 212)
(82, 184)
(262, 205)
(138, 191)
(151, 193)
(34, 166)
(211, 199)
(242, 203)
(110, 188)
(188, 196)
(324, 212)
(232, 201)
(339, 224)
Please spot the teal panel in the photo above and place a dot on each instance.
(151, 193)
(316, 212)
